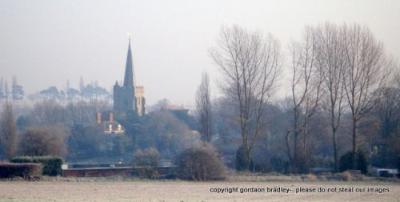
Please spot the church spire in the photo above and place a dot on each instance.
(128, 79)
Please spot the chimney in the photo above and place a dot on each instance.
(111, 117)
(98, 117)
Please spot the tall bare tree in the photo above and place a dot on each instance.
(249, 62)
(8, 131)
(204, 108)
(365, 70)
(306, 93)
(331, 60)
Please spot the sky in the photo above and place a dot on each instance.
(47, 42)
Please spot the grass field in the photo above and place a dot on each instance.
(165, 191)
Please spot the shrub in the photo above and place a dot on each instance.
(51, 165)
(42, 141)
(200, 163)
(346, 162)
(147, 157)
(25, 170)
(147, 161)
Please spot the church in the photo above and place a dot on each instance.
(127, 97)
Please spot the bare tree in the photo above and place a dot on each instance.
(8, 131)
(48, 113)
(331, 60)
(306, 92)
(249, 62)
(386, 113)
(41, 141)
(365, 70)
(204, 108)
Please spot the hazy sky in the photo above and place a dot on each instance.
(45, 43)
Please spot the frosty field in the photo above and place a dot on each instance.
(165, 191)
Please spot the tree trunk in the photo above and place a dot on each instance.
(335, 157)
(354, 145)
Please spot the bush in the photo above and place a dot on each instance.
(25, 170)
(147, 157)
(147, 161)
(346, 162)
(51, 165)
(200, 163)
(42, 141)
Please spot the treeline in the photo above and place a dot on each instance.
(342, 103)
(71, 131)
(44, 129)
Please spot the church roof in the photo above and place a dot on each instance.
(128, 79)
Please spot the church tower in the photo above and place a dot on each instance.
(124, 96)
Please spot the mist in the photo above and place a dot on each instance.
(46, 43)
